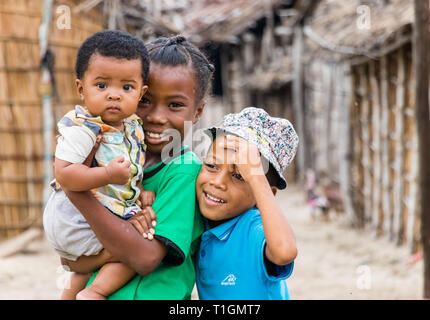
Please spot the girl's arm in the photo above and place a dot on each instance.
(118, 236)
(79, 177)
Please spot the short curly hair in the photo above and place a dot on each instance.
(112, 43)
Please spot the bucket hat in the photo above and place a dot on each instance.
(274, 137)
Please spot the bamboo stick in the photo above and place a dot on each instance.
(365, 132)
(385, 164)
(412, 219)
(376, 149)
(398, 190)
(347, 145)
(357, 168)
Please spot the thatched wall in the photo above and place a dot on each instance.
(21, 128)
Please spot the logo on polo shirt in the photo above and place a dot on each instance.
(229, 281)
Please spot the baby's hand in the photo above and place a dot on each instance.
(118, 170)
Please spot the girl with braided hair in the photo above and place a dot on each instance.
(178, 82)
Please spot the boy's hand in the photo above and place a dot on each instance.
(118, 170)
(247, 157)
(144, 221)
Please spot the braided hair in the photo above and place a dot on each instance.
(177, 51)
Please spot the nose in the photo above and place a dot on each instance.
(156, 115)
(114, 95)
(219, 180)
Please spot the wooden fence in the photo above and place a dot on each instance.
(384, 154)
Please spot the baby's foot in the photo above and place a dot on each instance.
(89, 294)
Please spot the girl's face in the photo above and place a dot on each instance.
(111, 88)
(168, 103)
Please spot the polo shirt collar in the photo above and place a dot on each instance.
(222, 231)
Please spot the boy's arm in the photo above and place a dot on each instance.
(79, 177)
(280, 242)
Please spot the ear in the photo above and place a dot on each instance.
(274, 190)
(143, 91)
(198, 113)
(80, 88)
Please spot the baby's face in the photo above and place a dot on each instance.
(111, 88)
(221, 192)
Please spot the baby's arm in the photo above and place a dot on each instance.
(87, 264)
(79, 177)
(74, 145)
(280, 242)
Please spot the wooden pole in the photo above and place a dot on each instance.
(346, 145)
(375, 145)
(398, 185)
(365, 112)
(298, 99)
(385, 157)
(46, 90)
(421, 40)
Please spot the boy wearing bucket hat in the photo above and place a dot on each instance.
(248, 248)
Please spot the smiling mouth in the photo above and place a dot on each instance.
(156, 136)
(214, 199)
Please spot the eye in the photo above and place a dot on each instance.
(145, 100)
(101, 85)
(175, 105)
(238, 176)
(210, 166)
(127, 87)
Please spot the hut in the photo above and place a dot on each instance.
(250, 44)
(363, 126)
(22, 87)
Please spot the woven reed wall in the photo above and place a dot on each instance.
(385, 154)
(21, 125)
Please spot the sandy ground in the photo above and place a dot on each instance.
(334, 262)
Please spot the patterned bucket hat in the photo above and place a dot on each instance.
(275, 138)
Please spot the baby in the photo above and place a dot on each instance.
(112, 69)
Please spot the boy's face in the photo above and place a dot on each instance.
(221, 192)
(111, 88)
(169, 102)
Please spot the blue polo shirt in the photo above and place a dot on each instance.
(230, 263)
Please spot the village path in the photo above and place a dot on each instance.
(334, 262)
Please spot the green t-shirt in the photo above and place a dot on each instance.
(179, 226)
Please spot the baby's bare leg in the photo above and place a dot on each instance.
(111, 277)
(75, 285)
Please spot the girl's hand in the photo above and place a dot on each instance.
(118, 170)
(247, 158)
(146, 199)
(144, 221)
